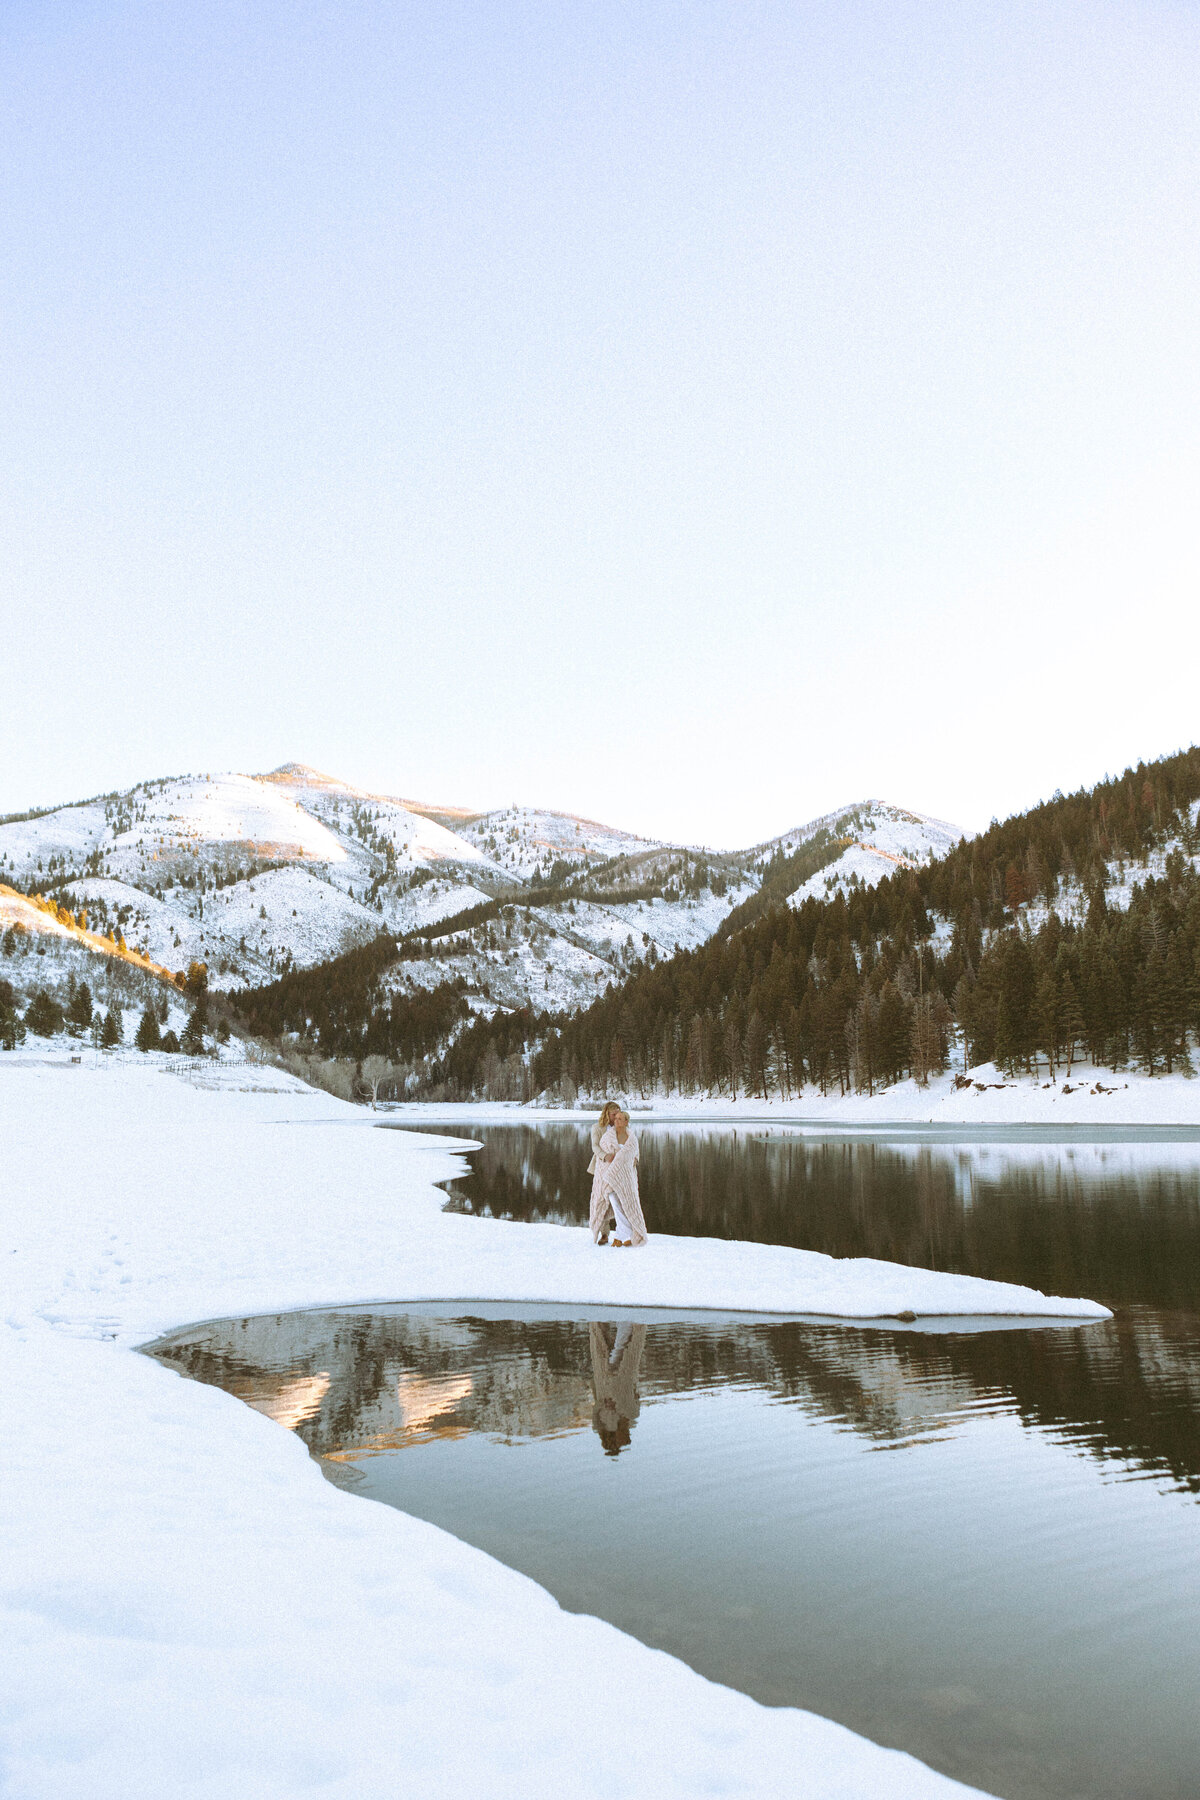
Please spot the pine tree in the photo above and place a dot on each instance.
(925, 1049)
(731, 1045)
(754, 1054)
(79, 1012)
(894, 1030)
(44, 1016)
(12, 1026)
(148, 1036)
(193, 1032)
(1046, 1013)
(113, 1031)
(1071, 1028)
(1005, 1052)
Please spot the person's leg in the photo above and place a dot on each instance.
(624, 1229)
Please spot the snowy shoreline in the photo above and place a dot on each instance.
(189, 1608)
(1088, 1098)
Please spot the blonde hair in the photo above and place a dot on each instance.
(622, 1114)
(609, 1107)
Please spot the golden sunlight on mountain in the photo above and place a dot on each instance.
(292, 1401)
(424, 1398)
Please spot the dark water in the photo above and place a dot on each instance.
(958, 1544)
(982, 1547)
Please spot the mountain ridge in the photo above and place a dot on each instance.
(261, 876)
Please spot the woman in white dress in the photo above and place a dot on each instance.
(615, 1186)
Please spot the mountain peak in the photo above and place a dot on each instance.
(298, 774)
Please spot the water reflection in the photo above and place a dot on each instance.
(616, 1363)
(1125, 1392)
(1009, 1592)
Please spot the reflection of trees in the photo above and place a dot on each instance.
(357, 1384)
(1128, 1390)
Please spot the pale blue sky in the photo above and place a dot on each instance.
(692, 415)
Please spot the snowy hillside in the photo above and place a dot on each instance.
(249, 874)
(526, 842)
(389, 827)
(557, 957)
(877, 839)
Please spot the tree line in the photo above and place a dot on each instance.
(343, 1008)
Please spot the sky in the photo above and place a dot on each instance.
(690, 415)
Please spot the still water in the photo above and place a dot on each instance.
(982, 1547)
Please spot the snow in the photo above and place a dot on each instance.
(416, 839)
(164, 855)
(879, 839)
(682, 924)
(16, 910)
(307, 849)
(552, 959)
(859, 864)
(912, 836)
(306, 918)
(189, 1609)
(71, 832)
(432, 901)
(524, 838)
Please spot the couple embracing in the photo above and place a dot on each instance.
(613, 1170)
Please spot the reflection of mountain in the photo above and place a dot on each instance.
(1119, 1222)
(380, 1381)
(357, 1384)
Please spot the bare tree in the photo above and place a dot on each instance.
(374, 1072)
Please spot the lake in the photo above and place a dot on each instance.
(980, 1546)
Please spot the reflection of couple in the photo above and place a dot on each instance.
(613, 1170)
(616, 1361)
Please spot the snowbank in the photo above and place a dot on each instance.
(189, 1609)
(1089, 1097)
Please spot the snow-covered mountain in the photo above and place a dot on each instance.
(876, 839)
(256, 874)
(528, 842)
(249, 874)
